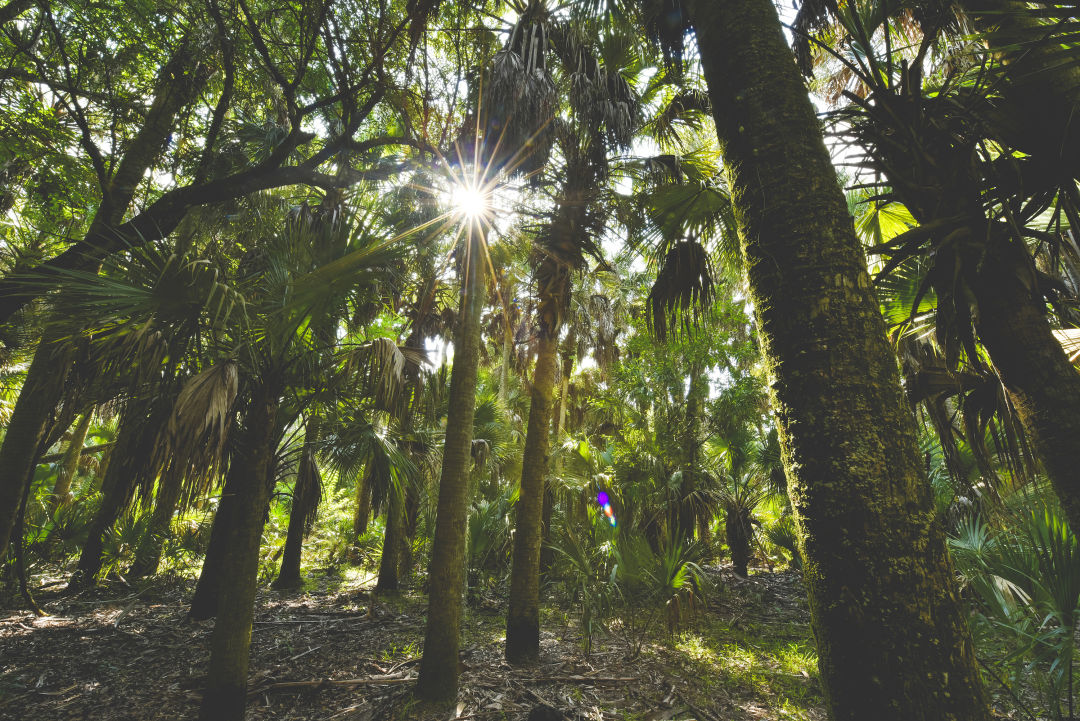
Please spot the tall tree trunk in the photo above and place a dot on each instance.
(307, 492)
(891, 632)
(439, 664)
(180, 81)
(37, 400)
(523, 614)
(69, 464)
(687, 510)
(248, 480)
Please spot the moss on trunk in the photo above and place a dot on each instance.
(892, 636)
(523, 615)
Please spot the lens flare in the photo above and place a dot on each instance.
(604, 502)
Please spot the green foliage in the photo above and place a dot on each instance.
(1026, 577)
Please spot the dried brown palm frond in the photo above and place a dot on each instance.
(194, 441)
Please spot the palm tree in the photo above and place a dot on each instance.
(602, 110)
(439, 665)
(861, 500)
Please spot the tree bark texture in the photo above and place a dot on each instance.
(226, 688)
(69, 464)
(439, 665)
(523, 614)
(892, 636)
(204, 602)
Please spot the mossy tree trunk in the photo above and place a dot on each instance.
(523, 614)
(891, 632)
(247, 480)
(1041, 383)
(439, 665)
(69, 464)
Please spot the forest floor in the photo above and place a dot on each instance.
(333, 652)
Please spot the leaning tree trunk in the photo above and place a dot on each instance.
(137, 424)
(439, 665)
(248, 480)
(19, 454)
(69, 464)
(891, 632)
(523, 614)
(148, 554)
(307, 492)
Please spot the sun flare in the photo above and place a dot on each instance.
(469, 202)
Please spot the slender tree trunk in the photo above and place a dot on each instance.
(439, 664)
(307, 492)
(148, 554)
(412, 517)
(390, 562)
(116, 491)
(69, 464)
(523, 615)
(687, 511)
(38, 398)
(363, 503)
(891, 632)
(248, 481)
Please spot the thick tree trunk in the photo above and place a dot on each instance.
(439, 664)
(892, 636)
(38, 398)
(248, 481)
(69, 464)
(523, 614)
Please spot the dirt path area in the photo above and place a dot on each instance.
(122, 654)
